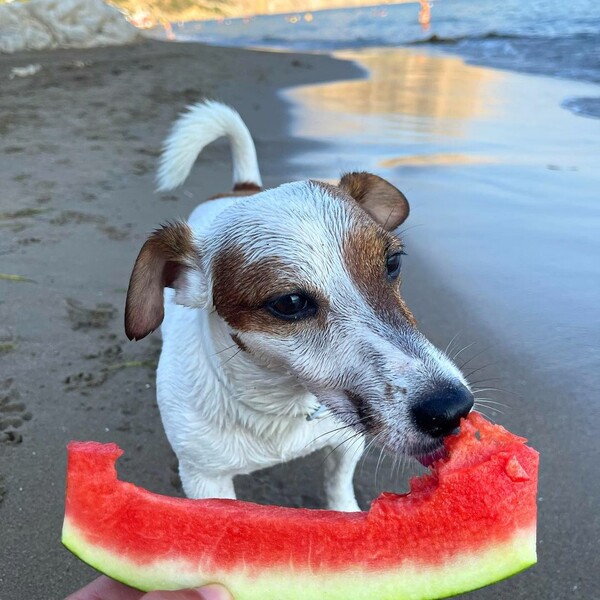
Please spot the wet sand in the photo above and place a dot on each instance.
(79, 145)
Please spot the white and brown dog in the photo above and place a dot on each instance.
(281, 305)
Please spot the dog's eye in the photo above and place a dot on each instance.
(394, 265)
(292, 307)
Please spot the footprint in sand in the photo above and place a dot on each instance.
(13, 414)
(83, 381)
(82, 317)
(69, 217)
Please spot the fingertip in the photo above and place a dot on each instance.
(214, 591)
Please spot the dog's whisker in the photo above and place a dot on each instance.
(369, 448)
(405, 229)
(339, 445)
(401, 462)
(480, 410)
(354, 445)
(377, 467)
(451, 342)
(396, 461)
(225, 349)
(498, 390)
(475, 356)
(231, 357)
(491, 401)
(482, 405)
(331, 431)
(473, 371)
(493, 389)
(389, 217)
(357, 447)
(370, 445)
(472, 383)
(462, 350)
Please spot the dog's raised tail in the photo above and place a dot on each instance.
(202, 124)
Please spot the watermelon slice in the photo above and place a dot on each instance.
(469, 522)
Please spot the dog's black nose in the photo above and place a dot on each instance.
(439, 412)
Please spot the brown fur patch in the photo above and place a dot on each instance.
(390, 392)
(246, 186)
(366, 415)
(241, 289)
(240, 190)
(160, 262)
(365, 251)
(238, 342)
(386, 204)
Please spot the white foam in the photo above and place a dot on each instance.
(42, 24)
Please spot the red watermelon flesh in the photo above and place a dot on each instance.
(469, 522)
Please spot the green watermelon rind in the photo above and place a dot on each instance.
(408, 581)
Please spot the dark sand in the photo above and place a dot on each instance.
(79, 143)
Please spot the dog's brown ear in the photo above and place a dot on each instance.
(385, 204)
(167, 259)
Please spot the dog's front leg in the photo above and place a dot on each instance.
(197, 485)
(339, 473)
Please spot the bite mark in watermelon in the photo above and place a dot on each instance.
(470, 522)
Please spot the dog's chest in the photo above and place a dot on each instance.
(239, 450)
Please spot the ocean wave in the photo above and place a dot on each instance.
(545, 37)
(358, 41)
(440, 39)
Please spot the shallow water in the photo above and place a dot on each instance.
(503, 186)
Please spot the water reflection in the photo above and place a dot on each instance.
(435, 160)
(419, 94)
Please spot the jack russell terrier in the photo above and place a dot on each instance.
(283, 326)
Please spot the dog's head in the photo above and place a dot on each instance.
(306, 278)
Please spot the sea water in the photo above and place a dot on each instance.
(552, 37)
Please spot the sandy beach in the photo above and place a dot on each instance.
(79, 143)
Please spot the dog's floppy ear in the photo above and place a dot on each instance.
(168, 258)
(385, 204)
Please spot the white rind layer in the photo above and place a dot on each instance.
(409, 581)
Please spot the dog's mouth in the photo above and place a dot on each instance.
(428, 458)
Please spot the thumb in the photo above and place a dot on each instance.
(207, 592)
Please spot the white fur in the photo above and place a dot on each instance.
(227, 411)
(202, 124)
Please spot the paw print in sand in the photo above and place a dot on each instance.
(12, 414)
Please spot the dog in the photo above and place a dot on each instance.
(283, 326)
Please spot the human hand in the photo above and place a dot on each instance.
(105, 588)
